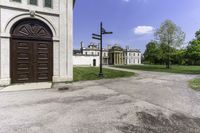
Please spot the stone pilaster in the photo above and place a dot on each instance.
(66, 42)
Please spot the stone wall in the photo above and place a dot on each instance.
(85, 60)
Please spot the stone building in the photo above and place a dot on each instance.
(132, 56)
(36, 38)
(90, 56)
(116, 55)
(94, 49)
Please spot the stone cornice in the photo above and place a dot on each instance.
(27, 10)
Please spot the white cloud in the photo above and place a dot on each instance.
(143, 30)
(140, 1)
(126, 0)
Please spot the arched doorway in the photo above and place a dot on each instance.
(31, 49)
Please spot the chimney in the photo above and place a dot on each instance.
(81, 47)
(127, 47)
(109, 47)
(98, 46)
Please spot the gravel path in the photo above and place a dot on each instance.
(149, 102)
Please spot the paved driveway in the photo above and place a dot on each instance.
(149, 102)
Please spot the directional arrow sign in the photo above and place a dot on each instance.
(108, 33)
(96, 35)
(96, 38)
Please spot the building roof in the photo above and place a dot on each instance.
(133, 50)
(117, 47)
(92, 46)
(76, 52)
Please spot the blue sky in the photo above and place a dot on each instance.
(132, 21)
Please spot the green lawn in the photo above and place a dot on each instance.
(90, 73)
(162, 68)
(195, 84)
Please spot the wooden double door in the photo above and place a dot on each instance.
(32, 61)
(31, 52)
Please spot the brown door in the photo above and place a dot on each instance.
(31, 61)
(43, 61)
(31, 53)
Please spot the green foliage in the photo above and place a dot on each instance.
(170, 34)
(167, 50)
(197, 35)
(179, 57)
(193, 50)
(90, 73)
(152, 53)
(195, 84)
(170, 37)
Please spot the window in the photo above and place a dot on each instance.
(16, 0)
(33, 2)
(48, 3)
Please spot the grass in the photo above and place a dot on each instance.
(162, 68)
(90, 73)
(195, 84)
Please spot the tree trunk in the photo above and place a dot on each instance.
(168, 57)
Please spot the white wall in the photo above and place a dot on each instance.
(85, 60)
(133, 58)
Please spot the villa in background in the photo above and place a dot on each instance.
(112, 55)
(132, 56)
(116, 55)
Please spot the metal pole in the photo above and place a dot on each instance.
(101, 50)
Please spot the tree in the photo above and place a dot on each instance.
(193, 50)
(170, 37)
(179, 57)
(152, 52)
(197, 35)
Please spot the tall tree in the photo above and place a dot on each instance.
(171, 37)
(193, 50)
(152, 52)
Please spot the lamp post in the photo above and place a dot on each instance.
(100, 38)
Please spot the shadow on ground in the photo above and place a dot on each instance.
(176, 123)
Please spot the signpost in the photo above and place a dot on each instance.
(100, 38)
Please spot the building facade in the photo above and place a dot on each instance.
(36, 41)
(89, 56)
(132, 56)
(94, 50)
(116, 55)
